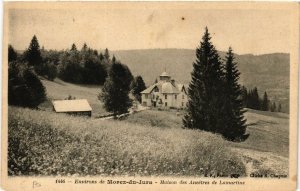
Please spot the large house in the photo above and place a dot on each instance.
(165, 93)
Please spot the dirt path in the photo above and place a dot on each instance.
(139, 108)
(262, 162)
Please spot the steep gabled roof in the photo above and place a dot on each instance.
(169, 88)
(164, 87)
(76, 105)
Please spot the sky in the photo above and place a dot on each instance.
(248, 31)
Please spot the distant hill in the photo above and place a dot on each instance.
(268, 72)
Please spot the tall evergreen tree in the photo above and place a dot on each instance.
(253, 101)
(73, 48)
(24, 87)
(265, 102)
(12, 54)
(244, 96)
(101, 57)
(204, 108)
(234, 129)
(116, 89)
(84, 47)
(279, 107)
(33, 54)
(106, 54)
(138, 85)
(36, 89)
(273, 107)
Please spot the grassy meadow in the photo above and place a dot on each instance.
(266, 149)
(45, 143)
(58, 89)
(147, 143)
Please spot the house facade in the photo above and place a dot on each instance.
(165, 93)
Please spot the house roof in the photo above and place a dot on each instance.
(168, 88)
(76, 105)
(164, 74)
(164, 87)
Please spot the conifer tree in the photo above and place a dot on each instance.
(73, 48)
(204, 108)
(234, 129)
(106, 54)
(244, 96)
(265, 103)
(24, 87)
(84, 47)
(113, 59)
(101, 57)
(116, 89)
(33, 54)
(138, 85)
(279, 107)
(12, 54)
(273, 107)
(253, 100)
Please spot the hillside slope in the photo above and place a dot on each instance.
(58, 89)
(46, 143)
(265, 151)
(269, 72)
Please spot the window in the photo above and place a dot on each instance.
(153, 96)
(182, 96)
(175, 96)
(166, 96)
(146, 96)
(182, 104)
(166, 104)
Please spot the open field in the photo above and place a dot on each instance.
(45, 143)
(267, 147)
(59, 89)
(147, 143)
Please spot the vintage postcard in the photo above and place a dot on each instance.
(150, 96)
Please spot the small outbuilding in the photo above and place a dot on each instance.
(73, 107)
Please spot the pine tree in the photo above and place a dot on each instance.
(253, 100)
(244, 96)
(204, 108)
(256, 99)
(265, 103)
(36, 89)
(273, 107)
(84, 47)
(113, 59)
(116, 89)
(279, 107)
(73, 48)
(101, 57)
(33, 55)
(24, 87)
(106, 54)
(138, 85)
(234, 128)
(12, 54)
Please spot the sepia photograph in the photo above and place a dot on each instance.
(190, 95)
